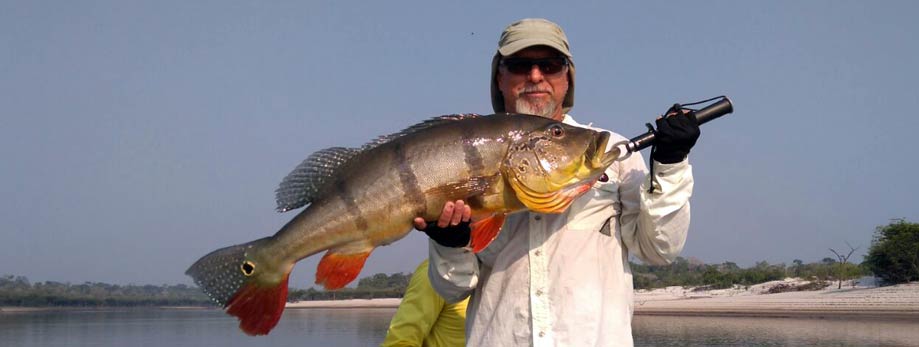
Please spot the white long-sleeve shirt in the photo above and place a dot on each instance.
(564, 279)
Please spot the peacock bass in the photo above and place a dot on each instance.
(362, 198)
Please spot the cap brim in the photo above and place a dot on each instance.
(519, 45)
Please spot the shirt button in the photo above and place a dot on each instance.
(542, 334)
(538, 252)
(539, 292)
(538, 217)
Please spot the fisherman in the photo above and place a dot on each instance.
(563, 279)
(424, 318)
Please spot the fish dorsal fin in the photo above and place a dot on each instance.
(418, 127)
(306, 182)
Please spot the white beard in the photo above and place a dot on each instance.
(546, 110)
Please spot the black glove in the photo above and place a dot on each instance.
(675, 136)
(451, 236)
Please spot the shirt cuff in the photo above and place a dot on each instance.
(673, 185)
(453, 270)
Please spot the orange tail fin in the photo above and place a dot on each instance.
(338, 269)
(259, 307)
(485, 231)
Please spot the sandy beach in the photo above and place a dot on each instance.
(855, 300)
(852, 301)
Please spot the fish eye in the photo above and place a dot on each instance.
(247, 267)
(557, 131)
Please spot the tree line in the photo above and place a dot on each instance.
(372, 287)
(693, 273)
(18, 291)
(893, 257)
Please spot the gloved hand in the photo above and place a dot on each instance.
(675, 135)
(450, 236)
(452, 228)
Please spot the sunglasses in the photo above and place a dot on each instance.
(523, 66)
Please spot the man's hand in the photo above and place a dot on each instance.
(676, 134)
(452, 228)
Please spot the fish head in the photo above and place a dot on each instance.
(551, 166)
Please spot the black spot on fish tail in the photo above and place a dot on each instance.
(472, 157)
(409, 181)
(351, 205)
(221, 273)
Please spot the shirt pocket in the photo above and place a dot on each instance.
(591, 210)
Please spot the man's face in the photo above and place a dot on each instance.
(534, 91)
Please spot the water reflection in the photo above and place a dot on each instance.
(367, 327)
(741, 331)
(178, 328)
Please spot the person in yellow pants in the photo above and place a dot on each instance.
(424, 318)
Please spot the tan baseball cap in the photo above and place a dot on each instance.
(526, 33)
(532, 32)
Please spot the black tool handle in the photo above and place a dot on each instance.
(710, 112)
(703, 115)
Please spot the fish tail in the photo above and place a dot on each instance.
(248, 287)
(259, 307)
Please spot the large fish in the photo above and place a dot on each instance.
(361, 198)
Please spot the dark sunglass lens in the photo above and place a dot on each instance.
(551, 66)
(524, 66)
(518, 67)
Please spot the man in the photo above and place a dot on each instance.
(563, 279)
(424, 318)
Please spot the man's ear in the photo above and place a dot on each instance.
(498, 80)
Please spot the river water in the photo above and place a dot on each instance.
(366, 327)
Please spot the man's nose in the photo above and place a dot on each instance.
(535, 74)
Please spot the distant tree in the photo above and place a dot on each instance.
(730, 266)
(796, 268)
(894, 252)
(383, 281)
(695, 263)
(717, 279)
(841, 264)
(643, 281)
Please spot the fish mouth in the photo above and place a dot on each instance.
(599, 157)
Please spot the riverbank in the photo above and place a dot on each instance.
(351, 303)
(21, 309)
(855, 300)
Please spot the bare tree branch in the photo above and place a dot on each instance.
(843, 260)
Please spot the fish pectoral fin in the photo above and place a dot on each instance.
(465, 189)
(340, 266)
(485, 231)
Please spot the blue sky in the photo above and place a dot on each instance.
(137, 136)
